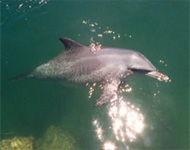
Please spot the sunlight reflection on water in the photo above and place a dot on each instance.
(126, 123)
(126, 119)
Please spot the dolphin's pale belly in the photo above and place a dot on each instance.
(80, 70)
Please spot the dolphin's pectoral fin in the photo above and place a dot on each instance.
(109, 92)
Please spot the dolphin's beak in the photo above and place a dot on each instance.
(158, 75)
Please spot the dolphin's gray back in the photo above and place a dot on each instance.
(133, 59)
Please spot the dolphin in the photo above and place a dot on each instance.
(81, 64)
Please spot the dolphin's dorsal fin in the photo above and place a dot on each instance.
(70, 44)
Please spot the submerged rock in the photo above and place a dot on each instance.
(17, 143)
(55, 138)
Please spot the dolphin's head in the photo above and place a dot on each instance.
(137, 61)
(140, 63)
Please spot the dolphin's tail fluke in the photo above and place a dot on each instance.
(21, 76)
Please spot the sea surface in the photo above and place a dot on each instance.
(153, 115)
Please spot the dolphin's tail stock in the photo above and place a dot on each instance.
(21, 76)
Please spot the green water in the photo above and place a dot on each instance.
(29, 37)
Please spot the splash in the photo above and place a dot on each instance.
(19, 9)
(94, 27)
(165, 65)
(97, 32)
(98, 131)
(91, 89)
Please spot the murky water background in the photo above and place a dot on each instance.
(160, 30)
